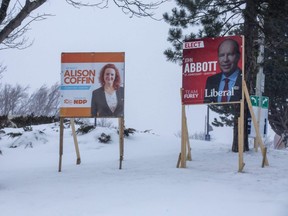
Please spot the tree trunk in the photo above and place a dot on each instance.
(235, 130)
(250, 71)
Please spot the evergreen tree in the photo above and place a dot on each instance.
(276, 65)
(211, 18)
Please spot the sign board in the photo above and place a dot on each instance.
(206, 64)
(262, 107)
(84, 84)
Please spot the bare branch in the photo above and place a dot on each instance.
(2, 70)
(130, 7)
(3, 9)
(11, 22)
(101, 4)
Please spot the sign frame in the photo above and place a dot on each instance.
(202, 82)
(78, 74)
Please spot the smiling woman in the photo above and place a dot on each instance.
(108, 100)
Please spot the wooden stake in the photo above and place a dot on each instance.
(189, 156)
(121, 140)
(264, 157)
(61, 144)
(183, 139)
(240, 144)
(258, 136)
(178, 161)
(256, 144)
(78, 161)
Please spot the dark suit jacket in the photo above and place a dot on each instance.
(213, 82)
(100, 108)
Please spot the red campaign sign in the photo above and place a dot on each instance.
(206, 64)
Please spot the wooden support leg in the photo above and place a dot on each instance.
(121, 141)
(258, 136)
(178, 161)
(264, 157)
(189, 156)
(78, 161)
(240, 146)
(61, 144)
(183, 140)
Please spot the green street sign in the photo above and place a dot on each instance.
(265, 102)
(255, 101)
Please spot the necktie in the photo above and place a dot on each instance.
(225, 91)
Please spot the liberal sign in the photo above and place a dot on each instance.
(212, 70)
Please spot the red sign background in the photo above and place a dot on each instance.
(200, 58)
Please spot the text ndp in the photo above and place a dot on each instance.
(79, 76)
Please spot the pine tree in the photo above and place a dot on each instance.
(211, 18)
(276, 65)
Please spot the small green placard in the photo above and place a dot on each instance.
(255, 101)
(265, 102)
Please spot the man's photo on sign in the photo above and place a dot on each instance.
(225, 86)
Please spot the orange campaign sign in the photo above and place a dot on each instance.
(212, 70)
(92, 84)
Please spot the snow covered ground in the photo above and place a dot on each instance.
(149, 183)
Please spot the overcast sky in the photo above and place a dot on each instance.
(152, 85)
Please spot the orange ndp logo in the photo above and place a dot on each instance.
(80, 101)
(67, 101)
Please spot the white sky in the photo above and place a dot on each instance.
(88, 30)
(152, 85)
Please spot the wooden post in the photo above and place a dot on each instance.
(256, 141)
(241, 118)
(179, 160)
(183, 139)
(189, 156)
(254, 120)
(121, 141)
(61, 144)
(264, 157)
(241, 137)
(255, 144)
(78, 161)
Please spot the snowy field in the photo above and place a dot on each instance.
(149, 183)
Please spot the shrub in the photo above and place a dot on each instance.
(13, 135)
(104, 138)
(129, 131)
(84, 129)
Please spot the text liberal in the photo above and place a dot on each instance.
(214, 93)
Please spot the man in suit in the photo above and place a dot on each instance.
(227, 85)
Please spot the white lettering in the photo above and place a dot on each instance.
(214, 93)
(197, 67)
(191, 95)
(193, 45)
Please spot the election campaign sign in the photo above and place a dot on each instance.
(212, 70)
(92, 84)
